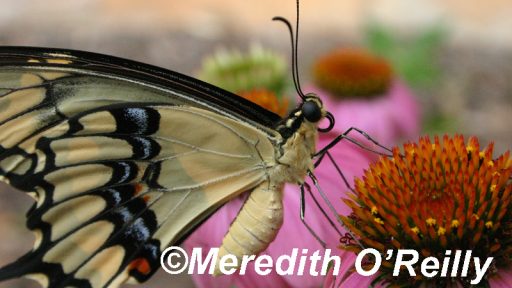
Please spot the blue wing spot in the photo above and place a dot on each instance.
(123, 172)
(125, 214)
(139, 117)
(144, 148)
(138, 231)
(138, 121)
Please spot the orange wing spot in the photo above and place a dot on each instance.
(146, 198)
(138, 188)
(141, 265)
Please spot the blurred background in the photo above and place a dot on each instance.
(455, 55)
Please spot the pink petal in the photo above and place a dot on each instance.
(388, 118)
(503, 279)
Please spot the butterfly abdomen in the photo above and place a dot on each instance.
(256, 225)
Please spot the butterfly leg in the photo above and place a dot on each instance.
(322, 210)
(340, 172)
(256, 225)
(320, 154)
(303, 216)
(331, 207)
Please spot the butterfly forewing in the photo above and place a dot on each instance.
(119, 167)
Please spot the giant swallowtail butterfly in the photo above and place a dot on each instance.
(124, 159)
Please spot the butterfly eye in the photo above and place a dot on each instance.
(311, 111)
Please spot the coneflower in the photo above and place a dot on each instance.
(433, 197)
(352, 73)
(361, 90)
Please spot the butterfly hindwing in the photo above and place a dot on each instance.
(119, 169)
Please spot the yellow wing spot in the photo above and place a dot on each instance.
(59, 61)
(441, 231)
(19, 101)
(375, 211)
(488, 224)
(53, 75)
(41, 196)
(493, 187)
(415, 230)
(38, 235)
(378, 220)
(99, 122)
(76, 248)
(30, 79)
(490, 163)
(455, 223)
(74, 180)
(475, 216)
(481, 154)
(65, 216)
(16, 164)
(40, 278)
(93, 148)
(102, 267)
(27, 123)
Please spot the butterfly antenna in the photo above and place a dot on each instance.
(294, 43)
(295, 64)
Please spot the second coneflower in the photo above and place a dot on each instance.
(349, 73)
(433, 197)
(361, 91)
(259, 75)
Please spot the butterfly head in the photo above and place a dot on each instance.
(312, 108)
(309, 113)
(313, 111)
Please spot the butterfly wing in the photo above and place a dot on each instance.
(122, 159)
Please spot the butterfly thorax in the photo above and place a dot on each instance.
(296, 157)
(296, 151)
